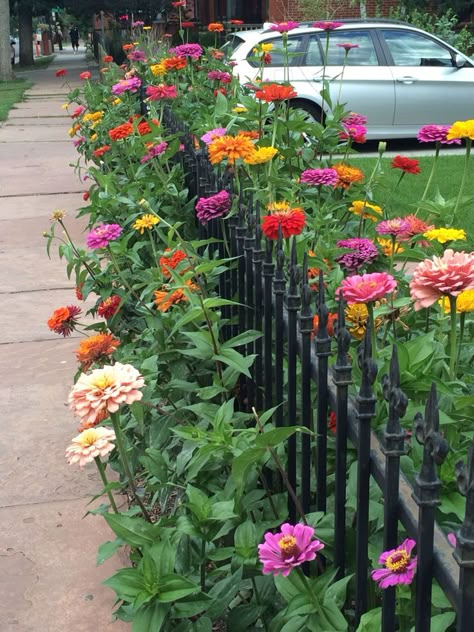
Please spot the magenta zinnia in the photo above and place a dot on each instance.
(399, 566)
(284, 27)
(212, 134)
(162, 91)
(187, 50)
(317, 177)
(361, 252)
(436, 134)
(101, 236)
(290, 547)
(367, 287)
(448, 275)
(212, 207)
(126, 85)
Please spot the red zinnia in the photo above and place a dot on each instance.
(108, 58)
(330, 324)
(61, 72)
(162, 91)
(187, 25)
(100, 151)
(109, 306)
(175, 63)
(63, 320)
(122, 131)
(408, 165)
(332, 422)
(85, 196)
(291, 220)
(236, 22)
(275, 92)
(85, 75)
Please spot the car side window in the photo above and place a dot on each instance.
(277, 54)
(412, 49)
(361, 54)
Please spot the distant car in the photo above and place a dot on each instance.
(398, 76)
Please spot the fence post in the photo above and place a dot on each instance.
(342, 379)
(268, 271)
(279, 291)
(306, 329)
(464, 554)
(426, 496)
(393, 448)
(365, 411)
(258, 256)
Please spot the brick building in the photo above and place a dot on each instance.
(258, 11)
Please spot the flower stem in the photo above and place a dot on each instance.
(103, 476)
(452, 352)
(308, 587)
(126, 283)
(430, 178)
(370, 309)
(464, 177)
(203, 566)
(126, 466)
(462, 321)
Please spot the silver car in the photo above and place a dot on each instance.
(397, 75)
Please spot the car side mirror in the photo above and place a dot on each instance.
(459, 61)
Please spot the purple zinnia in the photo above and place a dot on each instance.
(210, 136)
(399, 566)
(436, 134)
(123, 85)
(137, 55)
(362, 251)
(101, 236)
(316, 177)
(187, 50)
(397, 226)
(212, 207)
(289, 548)
(219, 75)
(154, 151)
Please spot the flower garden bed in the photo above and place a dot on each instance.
(162, 390)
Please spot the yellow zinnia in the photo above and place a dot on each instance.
(357, 315)
(461, 129)
(158, 69)
(464, 302)
(444, 234)
(261, 155)
(92, 116)
(239, 109)
(387, 247)
(368, 211)
(145, 221)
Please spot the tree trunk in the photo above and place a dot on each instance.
(5, 49)
(25, 24)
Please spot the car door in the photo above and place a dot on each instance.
(429, 88)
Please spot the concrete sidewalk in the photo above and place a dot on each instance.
(49, 581)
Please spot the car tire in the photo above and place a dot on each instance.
(310, 109)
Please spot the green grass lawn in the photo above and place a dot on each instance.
(11, 92)
(404, 199)
(40, 63)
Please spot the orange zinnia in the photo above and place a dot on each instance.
(100, 151)
(95, 348)
(170, 260)
(174, 63)
(252, 134)
(275, 92)
(347, 175)
(127, 47)
(122, 131)
(230, 147)
(330, 324)
(165, 298)
(215, 27)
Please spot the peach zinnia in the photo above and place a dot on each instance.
(104, 390)
(89, 445)
(230, 147)
(448, 275)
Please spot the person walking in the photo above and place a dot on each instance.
(74, 35)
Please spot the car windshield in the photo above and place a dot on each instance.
(232, 44)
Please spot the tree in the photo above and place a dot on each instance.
(5, 50)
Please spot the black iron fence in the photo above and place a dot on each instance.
(292, 370)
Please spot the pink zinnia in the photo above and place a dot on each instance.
(90, 444)
(85, 75)
(212, 134)
(289, 548)
(78, 111)
(124, 85)
(317, 177)
(347, 46)
(448, 275)
(436, 134)
(214, 206)
(284, 27)
(354, 119)
(101, 236)
(354, 132)
(162, 91)
(398, 226)
(219, 75)
(367, 287)
(187, 50)
(154, 151)
(103, 391)
(327, 26)
(399, 566)
(416, 226)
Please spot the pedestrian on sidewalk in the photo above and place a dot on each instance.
(74, 35)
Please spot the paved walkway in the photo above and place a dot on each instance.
(48, 578)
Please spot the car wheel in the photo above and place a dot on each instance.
(311, 111)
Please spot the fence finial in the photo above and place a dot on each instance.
(394, 436)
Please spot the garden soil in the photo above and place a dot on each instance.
(49, 581)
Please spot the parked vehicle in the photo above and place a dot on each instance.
(399, 76)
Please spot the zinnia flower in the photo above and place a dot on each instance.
(109, 306)
(444, 235)
(290, 547)
(212, 134)
(101, 236)
(450, 274)
(353, 118)
(90, 444)
(154, 151)
(175, 63)
(63, 321)
(100, 151)
(367, 287)
(272, 92)
(397, 227)
(461, 129)
(121, 131)
(85, 75)
(291, 220)
(95, 348)
(368, 211)
(212, 207)
(347, 46)
(362, 252)
(416, 226)
(61, 72)
(464, 302)
(408, 165)
(170, 260)
(355, 132)
(347, 175)
(162, 91)
(436, 134)
(137, 55)
(230, 147)
(284, 27)
(319, 177)
(187, 50)
(104, 390)
(107, 59)
(327, 25)
(399, 566)
(219, 75)
(389, 248)
(145, 222)
(166, 297)
(78, 111)
(261, 155)
(215, 27)
(126, 85)
(357, 316)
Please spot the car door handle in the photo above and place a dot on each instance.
(407, 79)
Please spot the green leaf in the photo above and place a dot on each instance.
(134, 531)
(150, 617)
(107, 549)
(441, 622)
(191, 606)
(220, 106)
(296, 624)
(236, 360)
(173, 587)
(242, 339)
(222, 594)
(291, 586)
(155, 463)
(371, 621)
(337, 592)
(242, 618)
(273, 437)
(244, 462)
(245, 539)
(128, 583)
